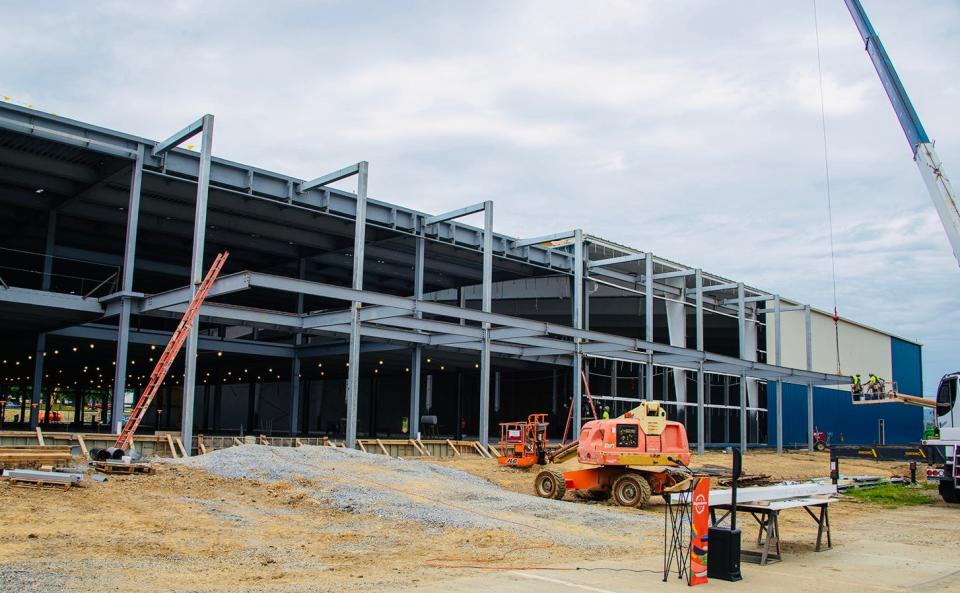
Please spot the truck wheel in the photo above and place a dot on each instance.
(550, 484)
(631, 490)
(948, 492)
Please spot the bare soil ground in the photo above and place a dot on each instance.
(185, 529)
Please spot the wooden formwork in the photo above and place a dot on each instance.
(418, 448)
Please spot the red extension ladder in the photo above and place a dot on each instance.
(170, 353)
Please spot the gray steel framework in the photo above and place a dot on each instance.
(411, 321)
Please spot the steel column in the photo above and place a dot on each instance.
(808, 327)
(744, 429)
(416, 360)
(577, 384)
(778, 357)
(295, 365)
(742, 339)
(359, 241)
(701, 416)
(37, 381)
(648, 318)
(196, 276)
(129, 268)
(486, 307)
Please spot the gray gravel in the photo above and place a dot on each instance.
(430, 494)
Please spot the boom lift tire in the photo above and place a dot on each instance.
(820, 446)
(599, 495)
(550, 484)
(631, 490)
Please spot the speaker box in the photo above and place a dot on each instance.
(724, 560)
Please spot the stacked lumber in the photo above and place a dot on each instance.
(28, 456)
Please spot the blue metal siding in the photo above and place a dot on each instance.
(906, 362)
(835, 414)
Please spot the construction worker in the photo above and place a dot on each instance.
(606, 413)
(874, 382)
(857, 388)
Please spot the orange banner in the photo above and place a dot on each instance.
(699, 527)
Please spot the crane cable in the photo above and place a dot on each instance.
(826, 169)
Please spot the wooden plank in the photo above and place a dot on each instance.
(237, 441)
(297, 443)
(173, 450)
(456, 451)
(480, 450)
(201, 447)
(83, 445)
(493, 450)
(382, 448)
(183, 449)
(360, 444)
(40, 437)
(425, 450)
(413, 444)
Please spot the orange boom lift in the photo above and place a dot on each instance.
(633, 457)
(524, 443)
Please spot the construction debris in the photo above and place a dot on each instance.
(34, 456)
(121, 467)
(39, 479)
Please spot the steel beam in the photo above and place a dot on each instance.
(715, 287)
(196, 276)
(186, 133)
(320, 320)
(459, 212)
(676, 274)
(222, 285)
(599, 263)
(337, 175)
(539, 241)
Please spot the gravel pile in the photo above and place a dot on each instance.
(433, 495)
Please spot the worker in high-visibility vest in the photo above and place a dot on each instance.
(606, 413)
(874, 382)
(857, 388)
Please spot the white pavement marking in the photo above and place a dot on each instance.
(561, 582)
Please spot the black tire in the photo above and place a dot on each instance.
(820, 446)
(631, 490)
(948, 492)
(550, 484)
(599, 495)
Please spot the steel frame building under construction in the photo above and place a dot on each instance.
(342, 314)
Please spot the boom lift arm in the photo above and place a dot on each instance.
(924, 153)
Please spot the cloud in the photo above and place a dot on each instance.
(689, 128)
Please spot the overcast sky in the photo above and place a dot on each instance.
(690, 129)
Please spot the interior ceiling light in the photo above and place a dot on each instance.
(39, 190)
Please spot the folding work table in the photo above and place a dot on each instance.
(767, 516)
